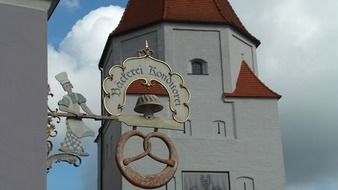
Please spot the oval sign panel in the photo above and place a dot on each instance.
(148, 69)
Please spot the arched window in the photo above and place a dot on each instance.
(221, 127)
(246, 183)
(187, 128)
(199, 67)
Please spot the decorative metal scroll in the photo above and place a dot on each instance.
(115, 87)
(69, 158)
(148, 69)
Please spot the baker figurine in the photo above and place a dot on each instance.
(76, 128)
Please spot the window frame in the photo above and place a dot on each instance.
(202, 64)
(225, 173)
(221, 128)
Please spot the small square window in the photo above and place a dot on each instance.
(198, 67)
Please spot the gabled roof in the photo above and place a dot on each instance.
(249, 86)
(141, 13)
(138, 87)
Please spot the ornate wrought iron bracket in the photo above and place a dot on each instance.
(115, 86)
(51, 133)
(60, 157)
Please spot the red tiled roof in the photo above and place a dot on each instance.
(140, 13)
(138, 87)
(249, 86)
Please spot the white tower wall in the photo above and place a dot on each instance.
(247, 146)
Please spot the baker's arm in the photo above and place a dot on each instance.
(86, 109)
(66, 109)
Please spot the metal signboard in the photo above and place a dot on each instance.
(147, 69)
(115, 86)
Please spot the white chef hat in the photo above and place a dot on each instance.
(62, 78)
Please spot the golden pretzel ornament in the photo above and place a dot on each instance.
(146, 181)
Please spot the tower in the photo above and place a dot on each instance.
(233, 136)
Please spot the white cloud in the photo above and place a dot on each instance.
(86, 40)
(79, 55)
(301, 187)
(326, 184)
(289, 37)
(297, 58)
(80, 51)
(299, 25)
(71, 3)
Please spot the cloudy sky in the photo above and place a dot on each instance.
(297, 58)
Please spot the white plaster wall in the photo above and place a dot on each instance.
(110, 175)
(256, 153)
(241, 50)
(23, 97)
(128, 45)
(260, 141)
(232, 48)
(186, 42)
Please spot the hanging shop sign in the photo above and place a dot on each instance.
(115, 86)
(147, 69)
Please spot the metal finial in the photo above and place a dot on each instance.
(146, 51)
(147, 46)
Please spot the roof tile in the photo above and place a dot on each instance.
(138, 87)
(141, 13)
(249, 86)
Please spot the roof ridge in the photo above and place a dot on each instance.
(123, 16)
(164, 12)
(142, 13)
(232, 9)
(241, 28)
(259, 80)
(220, 10)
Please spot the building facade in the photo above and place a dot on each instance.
(23, 93)
(232, 140)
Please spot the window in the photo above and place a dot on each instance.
(199, 67)
(206, 180)
(187, 128)
(224, 129)
(221, 127)
(246, 183)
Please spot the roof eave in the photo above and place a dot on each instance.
(229, 95)
(105, 51)
(116, 32)
(52, 7)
